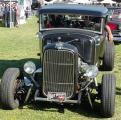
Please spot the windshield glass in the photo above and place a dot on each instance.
(85, 22)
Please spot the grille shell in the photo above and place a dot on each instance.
(58, 72)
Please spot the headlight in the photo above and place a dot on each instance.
(29, 67)
(91, 71)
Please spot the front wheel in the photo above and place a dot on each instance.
(108, 95)
(9, 85)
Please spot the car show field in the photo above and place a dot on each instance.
(17, 46)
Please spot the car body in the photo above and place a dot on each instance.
(115, 22)
(73, 45)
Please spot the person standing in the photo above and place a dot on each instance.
(1, 11)
(17, 14)
(6, 15)
(110, 35)
(27, 12)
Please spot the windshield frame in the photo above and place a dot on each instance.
(41, 27)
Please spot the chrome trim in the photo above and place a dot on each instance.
(95, 81)
(91, 80)
(38, 70)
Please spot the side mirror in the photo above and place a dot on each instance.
(38, 54)
(39, 35)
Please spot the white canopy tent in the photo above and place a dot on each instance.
(22, 4)
(108, 1)
(8, 0)
(68, 1)
(82, 1)
(52, 1)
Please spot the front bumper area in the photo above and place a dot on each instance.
(116, 35)
(117, 39)
(66, 101)
(37, 98)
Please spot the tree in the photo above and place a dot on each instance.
(48, 0)
(119, 1)
(99, 0)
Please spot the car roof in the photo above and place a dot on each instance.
(75, 9)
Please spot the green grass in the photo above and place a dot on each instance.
(18, 45)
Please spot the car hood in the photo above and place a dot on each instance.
(68, 31)
(84, 41)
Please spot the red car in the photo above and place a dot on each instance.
(115, 23)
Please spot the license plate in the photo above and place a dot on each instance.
(59, 96)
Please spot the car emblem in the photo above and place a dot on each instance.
(59, 45)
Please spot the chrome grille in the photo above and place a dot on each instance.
(58, 72)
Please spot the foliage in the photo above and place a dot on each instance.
(113, 0)
(117, 1)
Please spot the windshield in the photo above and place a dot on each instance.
(85, 22)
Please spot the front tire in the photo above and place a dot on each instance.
(108, 95)
(9, 84)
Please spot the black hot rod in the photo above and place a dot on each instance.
(74, 48)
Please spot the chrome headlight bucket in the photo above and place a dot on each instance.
(29, 67)
(91, 71)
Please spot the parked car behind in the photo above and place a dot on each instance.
(115, 22)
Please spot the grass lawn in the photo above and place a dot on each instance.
(17, 45)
